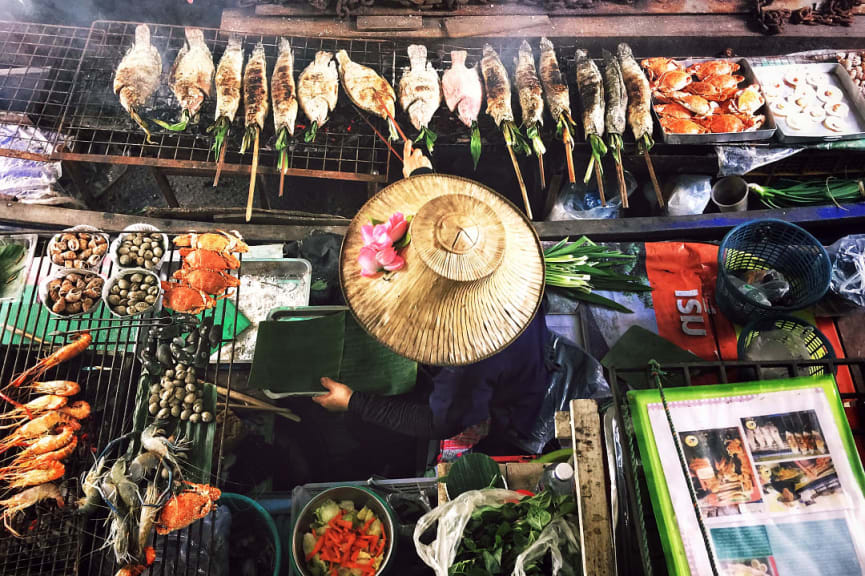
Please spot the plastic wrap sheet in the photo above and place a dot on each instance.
(29, 181)
(739, 160)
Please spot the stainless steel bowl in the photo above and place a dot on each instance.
(361, 497)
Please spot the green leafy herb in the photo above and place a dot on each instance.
(428, 137)
(248, 137)
(535, 137)
(475, 145)
(614, 144)
(515, 139)
(495, 535)
(179, 126)
(311, 133)
(646, 143)
(598, 151)
(220, 129)
(831, 189)
(281, 146)
(580, 267)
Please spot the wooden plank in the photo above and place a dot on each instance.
(670, 35)
(52, 217)
(515, 9)
(563, 426)
(467, 26)
(523, 475)
(376, 23)
(592, 489)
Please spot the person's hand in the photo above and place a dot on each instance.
(337, 397)
(413, 159)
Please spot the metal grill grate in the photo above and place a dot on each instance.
(37, 68)
(58, 541)
(640, 550)
(346, 148)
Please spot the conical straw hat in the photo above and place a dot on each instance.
(473, 279)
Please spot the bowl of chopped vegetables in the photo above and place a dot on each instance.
(344, 531)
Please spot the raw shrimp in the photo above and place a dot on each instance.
(150, 507)
(24, 464)
(79, 410)
(45, 473)
(143, 464)
(118, 537)
(49, 443)
(90, 486)
(153, 440)
(23, 500)
(56, 387)
(35, 407)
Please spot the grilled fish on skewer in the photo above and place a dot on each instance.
(229, 79)
(137, 75)
(615, 117)
(318, 91)
(531, 96)
(420, 93)
(463, 92)
(639, 109)
(255, 102)
(639, 96)
(590, 85)
(367, 89)
(191, 78)
(284, 100)
(498, 91)
(555, 88)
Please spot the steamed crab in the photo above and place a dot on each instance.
(730, 122)
(703, 70)
(748, 100)
(192, 503)
(187, 300)
(208, 259)
(219, 241)
(673, 81)
(214, 282)
(674, 125)
(658, 66)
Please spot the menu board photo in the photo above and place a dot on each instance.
(778, 483)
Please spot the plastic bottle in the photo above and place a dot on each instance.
(557, 477)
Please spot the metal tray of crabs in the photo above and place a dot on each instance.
(707, 101)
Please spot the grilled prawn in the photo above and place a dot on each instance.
(191, 78)
(23, 500)
(137, 76)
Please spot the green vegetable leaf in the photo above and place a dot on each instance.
(538, 517)
(475, 145)
(491, 563)
(179, 126)
(311, 133)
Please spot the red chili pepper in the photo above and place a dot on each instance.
(366, 526)
(315, 549)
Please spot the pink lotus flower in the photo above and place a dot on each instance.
(389, 259)
(398, 226)
(369, 265)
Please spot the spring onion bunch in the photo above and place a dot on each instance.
(565, 122)
(475, 145)
(220, 130)
(515, 139)
(581, 267)
(832, 190)
(311, 133)
(428, 137)
(185, 117)
(599, 149)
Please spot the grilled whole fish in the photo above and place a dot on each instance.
(590, 85)
(283, 89)
(419, 90)
(529, 86)
(639, 93)
(137, 75)
(498, 87)
(192, 73)
(615, 119)
(366, 88)
(229, 78)
(255, 88)
(318, 88)
(462, 88)
(555, 88)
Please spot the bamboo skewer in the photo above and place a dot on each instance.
(254, 402)
(600, 178)
(380, 135)
(541, 168)
(520, 180)
(620, 177)
(281, 180)
(569, 154)
(252, 175)
(219, 162)
(654, 178)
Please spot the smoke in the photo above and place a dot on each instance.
(83, 12)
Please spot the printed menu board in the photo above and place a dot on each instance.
(778, 482)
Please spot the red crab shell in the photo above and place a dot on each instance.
(185, 299)
(703, 70)
(193, 503)
(208, 281)
(220, 241)
(208, 259)
(658, 66)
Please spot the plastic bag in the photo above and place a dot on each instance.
(738, 160)
(574, 374)
(579, 201)
(690, 194)
(558, 536)
(452, 518)
(848, 269)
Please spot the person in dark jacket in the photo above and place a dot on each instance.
(507, 388)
